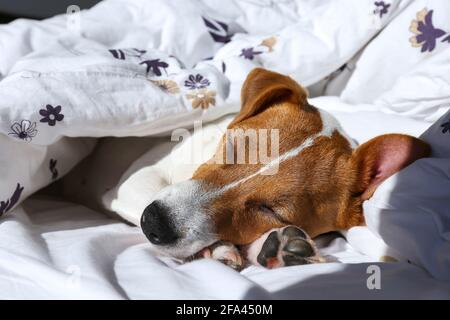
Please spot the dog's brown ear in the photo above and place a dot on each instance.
(379, 158)
(263, 88)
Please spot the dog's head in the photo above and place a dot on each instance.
(303, 170)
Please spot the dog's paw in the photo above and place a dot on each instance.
(224, 252)
(287, 246)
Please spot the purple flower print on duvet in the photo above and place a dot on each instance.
(425, 34)
(381, 8)
(24, 130)
(122, 54)
(52, 167)
(155, 66)
(249, 53)
(218, 30)
(7, 204)
(446, 127)
(196, 82)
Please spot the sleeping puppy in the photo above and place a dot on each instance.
(263, 202)
(319, 186)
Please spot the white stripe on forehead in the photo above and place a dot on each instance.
(329, 125)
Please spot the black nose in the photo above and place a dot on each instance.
(156, 225)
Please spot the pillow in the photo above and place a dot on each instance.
(166, 162)
(410, 210)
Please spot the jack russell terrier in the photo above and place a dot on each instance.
(241, 212)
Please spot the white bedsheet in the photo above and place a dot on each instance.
(52, 249)
(56, 250)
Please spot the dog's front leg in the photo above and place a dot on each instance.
(224, 252)
(280, 247)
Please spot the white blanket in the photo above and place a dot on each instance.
(137, 68)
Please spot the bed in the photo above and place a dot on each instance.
(144, 68)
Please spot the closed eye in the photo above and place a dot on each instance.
(270, 211)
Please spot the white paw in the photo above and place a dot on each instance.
(224, 252)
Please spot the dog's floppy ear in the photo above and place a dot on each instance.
(379, 158)
(263, 88)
